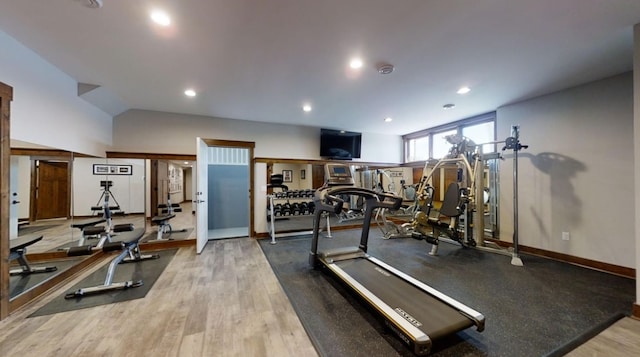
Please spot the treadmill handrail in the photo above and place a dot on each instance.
(385, 200)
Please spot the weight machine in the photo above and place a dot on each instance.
(466, 216)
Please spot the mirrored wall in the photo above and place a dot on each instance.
(57, 197)
(290, 184)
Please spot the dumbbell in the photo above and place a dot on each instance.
(295, 209)
(277, 210)
(312, 207)
(304, 208)
(286, 209)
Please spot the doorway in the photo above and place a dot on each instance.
(224, 190)
(52, 189)
(228, 194)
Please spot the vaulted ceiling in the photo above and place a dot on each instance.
(263, 60)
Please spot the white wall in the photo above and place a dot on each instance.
(128, 190)
(260, 197)
(159, 132)
(577, 175)
(46, 109)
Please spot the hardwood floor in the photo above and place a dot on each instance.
(224, 302)
(622, 339)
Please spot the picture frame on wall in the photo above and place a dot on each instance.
(303, 174)
(102, 169)
(287, 175)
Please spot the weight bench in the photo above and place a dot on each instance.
(104, 234)
(88, 228)
(446, 223)
(163, 224)
(18, 251)
(128, 245)
(170, 208)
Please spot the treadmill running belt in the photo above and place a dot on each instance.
(437, 319)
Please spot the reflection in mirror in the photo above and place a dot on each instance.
(290, 193)
(292, 205)
(398, 181)
(40, 214)
(171, 194)
(107, 193)
(41, 195)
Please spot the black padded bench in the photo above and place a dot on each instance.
(18, 251)
(173, 207)
(88, 228)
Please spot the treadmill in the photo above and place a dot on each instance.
(417, 313)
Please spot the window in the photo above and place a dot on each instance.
(481, 133)
(431, 143)
(417, 149)
(440, 144)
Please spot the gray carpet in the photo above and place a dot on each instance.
(21, 283)
(147, 270)
(530, 310)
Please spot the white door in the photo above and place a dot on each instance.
(202, 225)
(14, 200)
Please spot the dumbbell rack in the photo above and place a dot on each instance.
(302, 207)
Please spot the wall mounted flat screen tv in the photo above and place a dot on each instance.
(339, 144)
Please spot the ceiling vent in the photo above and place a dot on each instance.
(94, 3)
(385, 68)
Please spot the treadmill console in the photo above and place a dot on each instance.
(338, 175)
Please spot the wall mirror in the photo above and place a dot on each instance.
(291, 183)
(58, 197)
(170, 204)
(40, 216)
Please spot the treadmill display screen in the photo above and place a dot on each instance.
(338, 175)
(339, 170)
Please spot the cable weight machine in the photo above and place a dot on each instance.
(510, 143)
(468, 158)
(513, 143)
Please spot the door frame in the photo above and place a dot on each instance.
(35, 179)
(6, 96)
(250, 145)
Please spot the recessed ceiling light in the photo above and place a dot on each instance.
(186, 162)
(448, 106)
(306, 107)
(190, 93)
(356, 63)
(388, 119)
(464, 90)
(161, 18)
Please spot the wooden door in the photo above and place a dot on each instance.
(441, 183)
(317, 176)
(53, 190)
